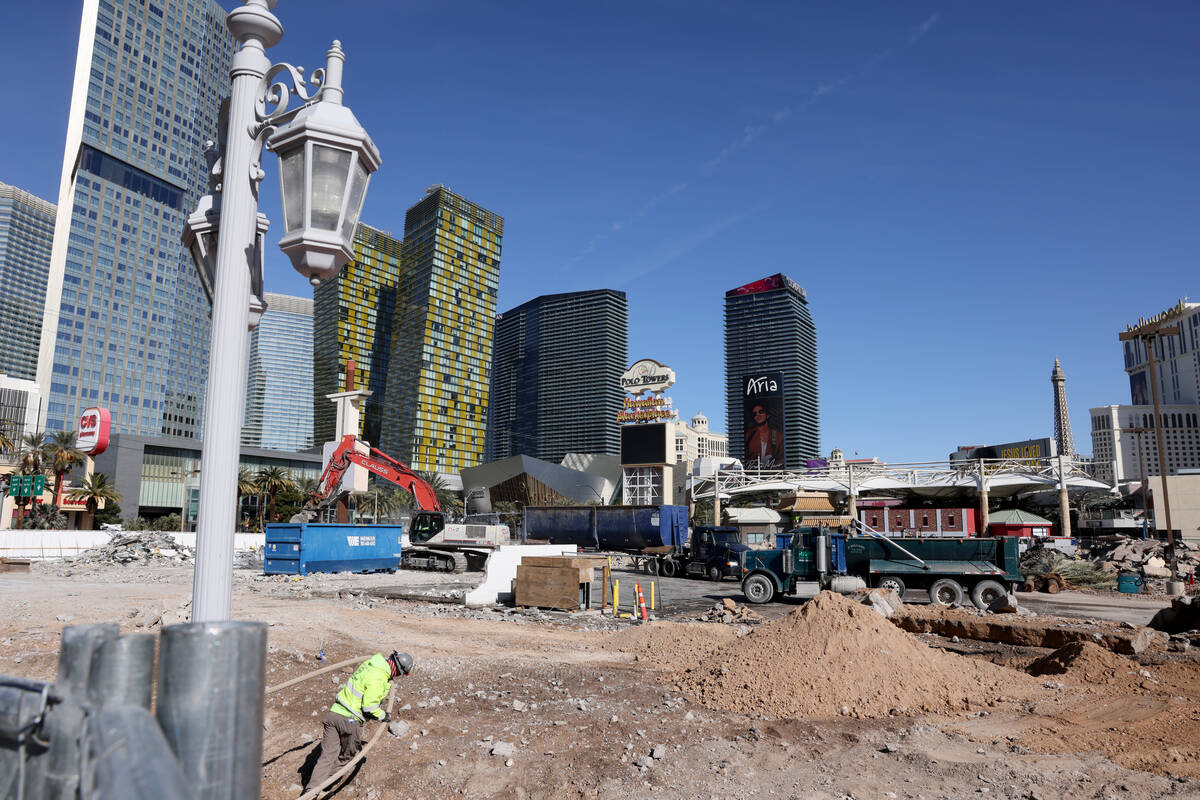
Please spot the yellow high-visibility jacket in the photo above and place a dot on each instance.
(362, 694)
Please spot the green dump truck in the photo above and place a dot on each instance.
(825, 556)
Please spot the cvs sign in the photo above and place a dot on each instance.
(94, 427)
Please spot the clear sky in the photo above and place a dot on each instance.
(966, 190)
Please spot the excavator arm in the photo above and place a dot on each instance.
(377, 463)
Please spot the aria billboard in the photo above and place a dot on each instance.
(762, 412)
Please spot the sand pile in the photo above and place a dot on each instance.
(1087, 663)
(673, 646)
(836, 657)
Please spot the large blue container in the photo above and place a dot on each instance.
(313, 547)
(631, 529)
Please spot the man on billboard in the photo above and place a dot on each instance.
(764, 443)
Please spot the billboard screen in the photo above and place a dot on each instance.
(1139, 392)
(644, 444)
(1029, 448)
(762, 413)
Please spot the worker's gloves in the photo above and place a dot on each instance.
(386, 717)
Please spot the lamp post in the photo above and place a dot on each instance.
(326, 160)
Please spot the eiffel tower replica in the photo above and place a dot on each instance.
(1062, 417)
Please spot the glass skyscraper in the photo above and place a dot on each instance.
(126, 321)
(279, 384)
(26, 238)
(353, 316)
(769, 331)
(556, 376)
(435, 405)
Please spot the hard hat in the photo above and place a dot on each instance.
(402, 663)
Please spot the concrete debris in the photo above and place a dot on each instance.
(1004, 605)
(504, 749)
(398, 728)
(885, 601)
(142, 547)
(1146, 557)
(730, 613)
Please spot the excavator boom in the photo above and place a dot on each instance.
(377, 463)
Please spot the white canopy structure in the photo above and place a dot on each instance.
(959, 481)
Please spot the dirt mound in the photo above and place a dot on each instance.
(836, 657)
(1085, 662)
(673, 646)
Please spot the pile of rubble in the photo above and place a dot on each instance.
(1146, 557)
(730, 613)
(143, 547)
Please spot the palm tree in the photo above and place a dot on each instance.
(63, 456)
(93, 490)
(31, 457)
(446, 498)
(271, 481)
(245, 486)
(8, 443)
(32, 453)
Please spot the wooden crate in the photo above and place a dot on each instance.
(549, 586)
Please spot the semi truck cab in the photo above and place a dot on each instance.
(713, 552)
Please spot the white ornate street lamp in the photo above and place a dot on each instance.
(326, 162)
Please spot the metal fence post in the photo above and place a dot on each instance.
(123, 672)
(211, 678)
(64, 721)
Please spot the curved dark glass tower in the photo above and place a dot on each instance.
(768, 329)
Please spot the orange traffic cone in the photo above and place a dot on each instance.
(641, 601)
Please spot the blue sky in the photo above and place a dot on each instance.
(965, 190)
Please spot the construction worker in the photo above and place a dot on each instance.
(360, 698)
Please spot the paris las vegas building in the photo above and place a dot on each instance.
(125, 322)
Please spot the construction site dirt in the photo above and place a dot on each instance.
(823, 699)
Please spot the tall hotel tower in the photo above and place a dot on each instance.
(556, 376)
(126, 321)
(279, 384)
(26, 236)
(769, 334)
(352, 321)
(435, 408)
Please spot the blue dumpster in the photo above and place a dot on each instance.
(298, 549)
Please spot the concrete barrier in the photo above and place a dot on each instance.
(501, 570)
(52, 545)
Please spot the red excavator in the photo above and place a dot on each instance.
(449, 547)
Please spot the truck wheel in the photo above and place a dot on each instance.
(758, 589)
(891, 582)
(668, 567)
(715, 574)
(984, 592)
(651, 566)
(946, 592)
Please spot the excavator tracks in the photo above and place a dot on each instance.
(434, 560)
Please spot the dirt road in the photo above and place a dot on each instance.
(581, 707)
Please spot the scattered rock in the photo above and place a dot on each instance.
(398, 728)
(504, 749)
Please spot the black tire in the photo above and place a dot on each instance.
(714, 573)
(651, 566)
(946, 592)
(891, 582)
(668, 567)
(758, 589)
(984, 592)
